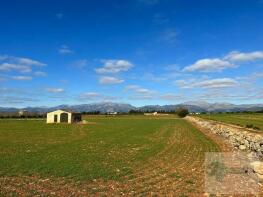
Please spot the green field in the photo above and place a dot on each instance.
(241, 119)
(146, 154)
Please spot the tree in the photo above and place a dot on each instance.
(182, 112)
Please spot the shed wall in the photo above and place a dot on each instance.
(50, 116)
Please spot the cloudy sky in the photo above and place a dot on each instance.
(134, 51)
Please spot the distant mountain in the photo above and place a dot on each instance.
(105, 107)
(167, 108)
(223, 107)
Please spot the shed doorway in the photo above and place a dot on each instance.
(64, 117)
(55, 118)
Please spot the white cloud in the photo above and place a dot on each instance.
(173, 67)
(11, 100)
(64, 81)
(169, 35)
(258, 75)
(14, 91)
(90, 96)
(65, 50)
(80, 64)
(228, 61)
(171, 96)
(55, 90)
(209, 65)
(217, 83)
(208, 84)
(27, 61)
(154, 78)
(2, 78)
(138, 92)
(236, 56)
(15, 67)
(94, 96)
(21, 78)
(40, 74)
(114, 66)
(106, 80)
(3, 57)
(20, 60)
(138, 89)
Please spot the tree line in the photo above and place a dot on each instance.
(181, 112)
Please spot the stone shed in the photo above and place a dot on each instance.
(63, 116)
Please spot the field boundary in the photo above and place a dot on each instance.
(243, 128)
(254, 128)
(224, 145)
(238, 137)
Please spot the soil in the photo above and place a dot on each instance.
(173, 172)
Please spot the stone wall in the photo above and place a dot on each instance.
(240, 138)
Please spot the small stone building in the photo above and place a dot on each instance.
(23, 113)
(63, 116)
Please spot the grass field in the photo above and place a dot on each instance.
(241, 119)
(122, 154)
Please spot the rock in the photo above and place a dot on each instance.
(242, 147)
(242, 141)
(239, 138)
(252, 156)
(259, 154)
(260, 177)
(256, 147)
(246, 143)
(257, 167)
(226, 135)
(258, 138)
(84, 122)
(252, 146)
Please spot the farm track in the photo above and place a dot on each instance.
(176, 170)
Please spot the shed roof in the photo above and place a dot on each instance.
(67, 111)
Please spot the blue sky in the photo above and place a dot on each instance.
(133, 51)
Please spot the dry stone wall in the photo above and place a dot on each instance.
(240, 138)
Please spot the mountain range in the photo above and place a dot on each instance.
(105, 107)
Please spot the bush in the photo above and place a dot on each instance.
(182, 112)
(249, 126)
